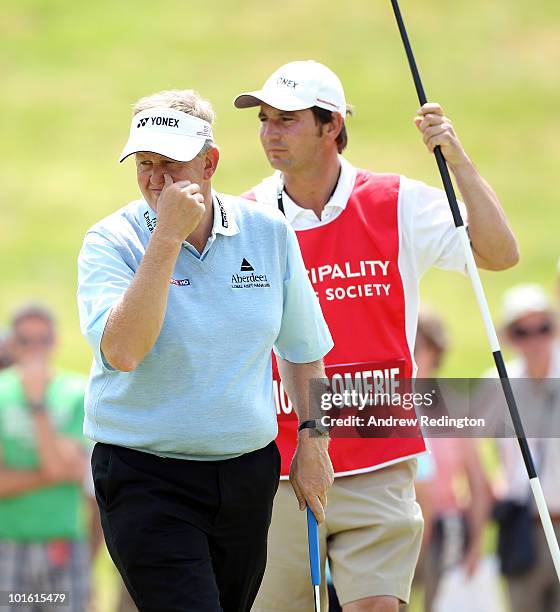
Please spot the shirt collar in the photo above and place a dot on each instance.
(224, 220)
(338, 199)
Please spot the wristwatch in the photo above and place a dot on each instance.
(316, 425)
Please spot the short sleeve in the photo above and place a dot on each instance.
(304, 335)
(103, 277)
(434, 237)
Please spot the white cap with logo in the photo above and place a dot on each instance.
(523, 300)
(297, 86)
(169, 132)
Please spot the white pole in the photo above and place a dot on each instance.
(483, 305)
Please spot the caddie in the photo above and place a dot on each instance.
(366, 239)
(183, 294)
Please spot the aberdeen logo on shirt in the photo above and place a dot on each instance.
(181, 282)
(246, 266)
(248, 281)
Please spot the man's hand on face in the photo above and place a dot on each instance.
(180, 208)
(311, 473)
(35, 375)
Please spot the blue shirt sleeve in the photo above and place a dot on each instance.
(304, 335)
(103, 277)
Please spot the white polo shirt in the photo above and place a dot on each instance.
(204, 391)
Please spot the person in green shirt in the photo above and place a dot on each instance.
(5, 357)
(43, 550)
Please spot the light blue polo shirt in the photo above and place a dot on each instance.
(204, 391)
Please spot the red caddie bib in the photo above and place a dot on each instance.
(352, 263)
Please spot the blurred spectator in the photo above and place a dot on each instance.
(457, 521)
(5, 353)
(558, 278)
(96, 541)
(42, 468)
(528, 327)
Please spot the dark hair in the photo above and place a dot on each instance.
(322, 116)
(33, 311)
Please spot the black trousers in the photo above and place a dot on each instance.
(187, 536)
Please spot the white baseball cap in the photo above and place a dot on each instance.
(168, 132)
(522, 300)
(296, 86)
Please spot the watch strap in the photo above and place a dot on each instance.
(310, 423)
(314, 424)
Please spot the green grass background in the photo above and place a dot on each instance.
(70, 72)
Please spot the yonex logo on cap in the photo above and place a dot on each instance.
(284, 82)
(159, 130)
(296, 86)
(165, 121)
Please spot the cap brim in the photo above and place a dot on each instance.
(276, 99)
(175, 146)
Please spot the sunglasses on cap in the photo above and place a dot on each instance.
(520, 332)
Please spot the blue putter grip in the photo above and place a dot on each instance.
(313, 539)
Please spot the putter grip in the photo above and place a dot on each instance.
(314, 557)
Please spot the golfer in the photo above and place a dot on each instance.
(182, 295)
(366, 240)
